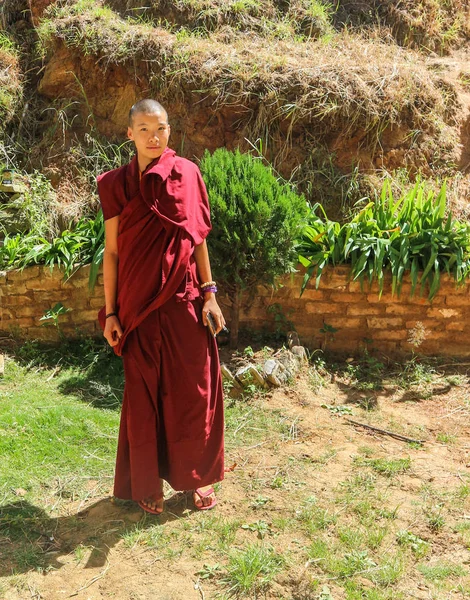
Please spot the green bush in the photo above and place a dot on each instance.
(256, 220)
(72, 249)
(412, 234)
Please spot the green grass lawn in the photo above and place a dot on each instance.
(313, 509)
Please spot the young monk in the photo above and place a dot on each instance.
(159, 290)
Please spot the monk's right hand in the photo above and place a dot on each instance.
(112, 331)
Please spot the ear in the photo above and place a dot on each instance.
(130, 134)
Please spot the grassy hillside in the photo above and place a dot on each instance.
(336, 95)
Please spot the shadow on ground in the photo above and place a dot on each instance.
(31, 540)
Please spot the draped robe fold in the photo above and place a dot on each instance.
(172, 414)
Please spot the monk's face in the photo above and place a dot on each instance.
(150, 133)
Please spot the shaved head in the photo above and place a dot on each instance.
(146, 106)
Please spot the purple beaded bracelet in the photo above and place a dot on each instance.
(211, 288)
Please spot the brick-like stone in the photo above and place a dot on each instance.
(389, 334)
(457, 301)
(16, 300)
(450, 288)
(436, 335)
(388, 347)
(429, 324)
(405, 309)
(23, 274)
(83, 316)
(321, 308)
(458, 326)
(78, 282)
(37, 332)
(5, 314)
(31, 310)
(317, 295)
(14, 288)
(384, 322)
(346, 297)
(443, 313)
(374, 298)
(44, 284)
(97, 302)
(358, 287)
(366, 310)
(345, 322)
(23, 322)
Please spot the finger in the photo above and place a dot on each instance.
(218, 319)
(204, 316)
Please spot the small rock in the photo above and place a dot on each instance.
(227, 374)
(275, 372)
(270, 366)
(249, 375)
(300, 353)
(258, 379)
(293, 339)
(290, 362)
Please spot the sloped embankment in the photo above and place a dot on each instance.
(10, 79)
(364, 100)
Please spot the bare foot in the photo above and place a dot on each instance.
(207, 501)
(154, 504)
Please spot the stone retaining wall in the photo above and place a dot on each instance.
(360, 317)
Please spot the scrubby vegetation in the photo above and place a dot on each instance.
(411, 234)
(10, 79)
(335, 103)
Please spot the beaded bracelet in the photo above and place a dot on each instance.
(112, 314)
(211, 288)
(208, 284)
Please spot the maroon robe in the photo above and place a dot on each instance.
(172, 414)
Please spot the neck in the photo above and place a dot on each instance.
(143, 163)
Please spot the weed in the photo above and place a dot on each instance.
(418, 546)
(209, 571)
(441, 570)
(384, 466)
(53, 314)
(251, 570)
(259, 502)
(446, 438)
(338, 409)
(261, 527)
(434, 517)
(313, 517)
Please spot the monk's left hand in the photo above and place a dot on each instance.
(210, 305)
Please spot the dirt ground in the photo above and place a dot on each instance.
(101, 548)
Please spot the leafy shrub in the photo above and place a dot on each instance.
(410, 234)
(255, 219)
(72, 249)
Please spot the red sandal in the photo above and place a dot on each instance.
(148, 509)
(202, 495)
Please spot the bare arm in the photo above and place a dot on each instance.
(201, 256)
